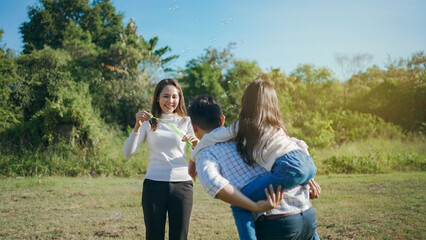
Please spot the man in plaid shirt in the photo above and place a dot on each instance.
(223, 172)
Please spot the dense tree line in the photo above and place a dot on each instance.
(83, 73)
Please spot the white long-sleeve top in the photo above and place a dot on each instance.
(278, 144)
(167, 157)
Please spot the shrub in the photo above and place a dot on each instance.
(318, 133)
(351, 126)
(407, 161)
(370, 163)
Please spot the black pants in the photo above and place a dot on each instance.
(173, 198)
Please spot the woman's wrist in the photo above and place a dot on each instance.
(137, 127)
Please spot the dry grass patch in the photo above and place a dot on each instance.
(385, 206)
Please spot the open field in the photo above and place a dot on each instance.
(382, 206)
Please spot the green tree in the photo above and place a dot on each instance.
(9, 112)
(236, 80)
(315, 92)
(217, 73)
(395, 94)
(318, 88)
(49, 21)
(54, 105)
(203, 76)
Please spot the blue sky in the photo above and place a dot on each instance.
(274, 33)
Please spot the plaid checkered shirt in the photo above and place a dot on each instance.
(220, 164)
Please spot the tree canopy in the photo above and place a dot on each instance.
(83, 74)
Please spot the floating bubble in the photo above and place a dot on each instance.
(214, 65)
(174, 8)
(223, 95)
(95, 141)
(236, 83)
(144, 95)
(227, 20)
(232, 106)
(195, 21)
(185, 50)
(203, 84)
(212, 39)
(229, 81)
(116, 215)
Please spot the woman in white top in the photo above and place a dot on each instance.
(167, 188)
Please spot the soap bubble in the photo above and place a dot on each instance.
(95, 141)
(227, 20)
(174, 8)
(214, 65)
(116, 215)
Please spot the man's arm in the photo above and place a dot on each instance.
(233, 196)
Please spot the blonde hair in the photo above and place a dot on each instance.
(259, 114)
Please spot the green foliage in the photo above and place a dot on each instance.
(203, 76)
(218, 74)
(49, 21)
(407, 161)
(370, 163)
(80, 80)
(68, 99)
(9, 112)
(319, 132)
(41, 73)
(316, 88)
(397, 95)
(351, 126)
(376, 163)
(237, 79)
(373, 155)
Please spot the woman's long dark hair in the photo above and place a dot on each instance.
(156, 109)
(259, 114)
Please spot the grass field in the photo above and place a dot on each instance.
(383, 206)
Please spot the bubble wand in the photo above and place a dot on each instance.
(172, 126)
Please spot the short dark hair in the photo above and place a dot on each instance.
(205, 112)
